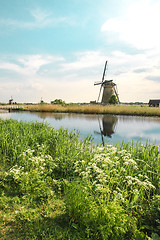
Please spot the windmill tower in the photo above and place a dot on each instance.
(109, 88)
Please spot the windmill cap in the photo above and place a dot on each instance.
(110, 82)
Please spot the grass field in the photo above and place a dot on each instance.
(55, 186)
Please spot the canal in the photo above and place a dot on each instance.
(102, 128)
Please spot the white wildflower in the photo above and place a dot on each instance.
(107, 160)
(149, 184)
(135, 191)
(123, 169)
(126, 163)
(115, 192)
(140, 175)
(94, 183)
(114, 171)
(120, 197)
(99, 187)
(129, 182)
(100, 149)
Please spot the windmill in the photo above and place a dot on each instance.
(109, 88)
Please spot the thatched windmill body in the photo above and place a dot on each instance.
(109, 88)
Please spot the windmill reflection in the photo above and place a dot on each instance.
(107, 128)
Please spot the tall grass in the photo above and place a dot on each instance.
(54, 186)
(97, 109)
(143, 110)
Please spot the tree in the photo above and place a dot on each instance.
(113, 100)
(58, 101)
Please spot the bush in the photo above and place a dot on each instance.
(58, 101)
(113, 100)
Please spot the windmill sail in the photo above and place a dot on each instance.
(97, 83)
(104, 72)
(116, 93)
(99, 93)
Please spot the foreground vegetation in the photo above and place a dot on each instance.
(54, 186)
(136, 110)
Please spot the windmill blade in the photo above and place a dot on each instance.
(99, 93)
(104, 71)
(116, 92)
(97, 83)
(100, 133)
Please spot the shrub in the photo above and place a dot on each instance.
(113, 100)
(58, 101)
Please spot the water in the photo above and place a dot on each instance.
(102, 128)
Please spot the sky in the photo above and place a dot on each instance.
(56, 49)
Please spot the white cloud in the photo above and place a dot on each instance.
(40, 15)
(41, 19)
(84, 60)
(11, 66)
(139, 26)
(28, 65)
(33, 63)
(73, 82)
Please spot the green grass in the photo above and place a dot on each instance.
(55, 186)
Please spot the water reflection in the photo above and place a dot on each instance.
(109, 123)
(45, 115)
(106, 123)
(102, 128)
(107, 126)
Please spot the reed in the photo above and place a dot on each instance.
(55, 186)
(96, 109)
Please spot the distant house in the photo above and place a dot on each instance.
(154, 103)
(11, 101)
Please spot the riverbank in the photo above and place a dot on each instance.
(55, 186)
(132, 110)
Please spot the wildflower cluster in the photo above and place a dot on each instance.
(115, 170)
(37, 160)
(34, 176)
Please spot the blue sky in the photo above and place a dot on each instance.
(57, 49)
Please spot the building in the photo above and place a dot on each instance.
(154, 103)
(10, 101)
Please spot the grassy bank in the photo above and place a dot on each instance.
(94, 109)
(54, 186)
